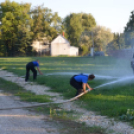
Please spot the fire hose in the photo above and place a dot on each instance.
(42, 104)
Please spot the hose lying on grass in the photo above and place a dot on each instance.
(42, 104)
(72, 99)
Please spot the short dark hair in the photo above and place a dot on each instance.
(91, 76)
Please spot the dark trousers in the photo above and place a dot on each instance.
(30, 66)
(76, 85)
(133, 69)
(132, 65)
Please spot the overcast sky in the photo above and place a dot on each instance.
(113, 14)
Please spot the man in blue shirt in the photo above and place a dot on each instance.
(79, 82)
(31, 66)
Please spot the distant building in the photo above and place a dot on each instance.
(61, 46)
(41, 47)
(74, 51)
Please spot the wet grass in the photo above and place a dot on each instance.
(61, 118)
(112, 100)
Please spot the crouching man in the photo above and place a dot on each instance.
(31, 66)
(79, 82)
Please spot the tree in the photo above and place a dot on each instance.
(129, 31)
(2, 49)
(88, 21)
(75, 28)
(85, 42)
(99, 37)
(13, 16)
(21, 25)
(75, 24)
(114, 44)
(117, 43)
(45, 23)
(102, 36)
(121, 41)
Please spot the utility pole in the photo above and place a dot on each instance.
(92, 49)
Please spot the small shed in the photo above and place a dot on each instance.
(74, 51)
(61, 46)
(39, 46)
(42, 47)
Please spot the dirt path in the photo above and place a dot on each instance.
(89, 117)
(22, 121)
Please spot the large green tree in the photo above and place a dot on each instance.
(20, 26)
(45, 23)
(85, 42)
(88, 21)
(13, 17)
(117, 43)
(102, 36)
(98, 37)
(76, 23)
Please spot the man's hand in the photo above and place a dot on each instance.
(41, 73)
(90, 89)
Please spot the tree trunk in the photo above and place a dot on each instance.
(7, 49)
(12, 53)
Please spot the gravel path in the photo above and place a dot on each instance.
(89, 117)
(21, 121)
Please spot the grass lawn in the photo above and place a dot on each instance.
(62, 118)
(112, 100)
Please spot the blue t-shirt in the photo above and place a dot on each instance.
(81, 78)
(36, 64)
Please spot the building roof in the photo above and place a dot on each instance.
(60, 39)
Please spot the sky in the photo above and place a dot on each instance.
(113, 14)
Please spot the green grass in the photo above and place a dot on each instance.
(112, 100)
(77, 128)
(25, 95)
(64, 118)
(101, 65)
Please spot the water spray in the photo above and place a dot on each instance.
(72, 99)
(116, 81)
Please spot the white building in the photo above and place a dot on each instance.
(74, 51)
(41, 47)
(61, 46)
